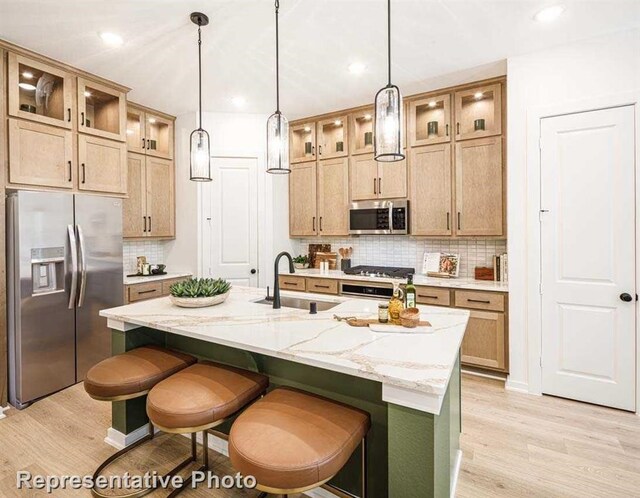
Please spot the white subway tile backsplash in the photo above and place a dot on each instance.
(152, 249)
(400, 250)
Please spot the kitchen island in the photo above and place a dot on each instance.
(408, 382)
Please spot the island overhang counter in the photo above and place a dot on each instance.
(408, 382)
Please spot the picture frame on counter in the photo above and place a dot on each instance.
(441, 264)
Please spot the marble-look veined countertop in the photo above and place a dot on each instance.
(414, 369)
(418, 279)
(139, 279)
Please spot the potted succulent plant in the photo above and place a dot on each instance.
(199, 292)
(301, 262)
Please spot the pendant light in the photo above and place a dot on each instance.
(277, 126)
(200, 151)
(388, 127)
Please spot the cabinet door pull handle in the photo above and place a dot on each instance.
(84, 173)
(147, 291)
(320, 149)
(149, 223)
(374, 186)
(448, 220)
(314, 223)
(313, 150)
(321, 223)
(379, 185)
(145, 224)
(481, 301)
(428, 297)
(82, 119)
(447, 129)
(69, 114)
(458, 128)
(69, 163)
(459, 220)
(143, 144)
(321, 286)
(290, 283)
(148, 144)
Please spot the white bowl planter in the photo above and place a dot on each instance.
(301, 266)
(198, 302)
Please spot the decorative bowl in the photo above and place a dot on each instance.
(410, 317)
(198, 302)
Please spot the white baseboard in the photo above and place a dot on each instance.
(2, 410)
(517, 386)
(455, 473)
(119, 440)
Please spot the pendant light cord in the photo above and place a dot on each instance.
(277, 60)
(389, 39)
(199, 76)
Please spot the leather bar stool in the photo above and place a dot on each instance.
(201, 397)
(292, 441)
(132, 375)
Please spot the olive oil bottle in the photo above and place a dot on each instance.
(410, 293)
(396, 305)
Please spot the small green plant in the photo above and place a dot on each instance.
(200, 287)
(303, 260)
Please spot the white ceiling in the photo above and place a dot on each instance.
(319, 39)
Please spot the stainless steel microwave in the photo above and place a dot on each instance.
(379, 217)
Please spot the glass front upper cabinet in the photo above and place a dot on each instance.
(479, 112)
(101, 110)
(430, 120)
(333, 136)
(135, 130)
(362, 131)
(302, 145)
(40, 92)
(158, 136)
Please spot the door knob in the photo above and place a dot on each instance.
(253, 271)
(626, 297)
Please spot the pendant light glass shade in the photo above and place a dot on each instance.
(278, 144)
(389, 111)
(389, 118)
(200, 156)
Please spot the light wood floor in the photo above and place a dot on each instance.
(514, 445)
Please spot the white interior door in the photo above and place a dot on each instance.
(588, 257)
(231, 221)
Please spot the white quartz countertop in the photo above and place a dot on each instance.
(414, 369)
(153, 278)
(452, 283)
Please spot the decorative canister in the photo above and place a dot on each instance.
(383, 313)
(478, 124)
(368, 138)
(432, 129)
(339, 146)
(307, 148)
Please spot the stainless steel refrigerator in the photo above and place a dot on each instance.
(64, 264)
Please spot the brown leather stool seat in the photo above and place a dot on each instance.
(135, 372)
(202, 395)
(292, 440)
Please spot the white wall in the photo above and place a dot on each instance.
(232, 135)
(565, 77)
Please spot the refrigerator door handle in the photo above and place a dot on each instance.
(83, 267)
(73, 247)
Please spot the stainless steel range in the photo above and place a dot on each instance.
(380, 271)
(373, 289)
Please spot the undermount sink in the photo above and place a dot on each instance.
(301, 304)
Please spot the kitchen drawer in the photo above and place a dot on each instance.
(485, 341)
(141, 292)
(322, 285)
(166, 284)
(493, 301)
(288, 282)
(433, 295)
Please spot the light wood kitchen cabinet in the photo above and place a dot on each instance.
(150, 209)
(370, 179)
(40, 154)
(361, 128)
(333, 137)
(479, 187)
(158, 136)
(55, 107)
(303, 200)
(289, 282)
(333, 197)
(149, 290)
(431, 190)
(102, 110)
(136, 141)
(322, 285)
(479, 112)
(430, 120)
(302, 142)
(485, 341)
(103, 165)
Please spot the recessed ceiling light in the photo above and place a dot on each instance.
(549, 14)
(111, 39)
(478, 95)
(27, 75)
(357, 68)
(152, 120)
(87, 94)
(27, 86)
(307, 128)
(239, 101)
(337, 122)
(432, 103)
(367, 116)
(130, 132)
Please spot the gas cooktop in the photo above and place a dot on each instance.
(380, 271)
